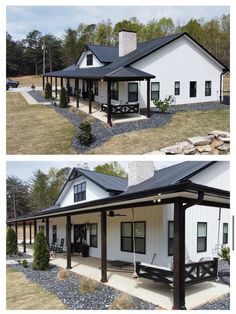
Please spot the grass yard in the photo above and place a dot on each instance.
(23, 294)
(28, 80)
(36, 129)
(182, 126)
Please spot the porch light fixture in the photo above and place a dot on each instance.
(101, 80)
(43, 220)
(158, 200)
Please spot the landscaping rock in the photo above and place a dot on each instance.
(190, 151)
(204, 148)
(224, 147)
(224, 139)
(200, 140)
(172, 150)
(218, 133)
(156, 152)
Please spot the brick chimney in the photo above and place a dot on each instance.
(139, 171)
(127, 42)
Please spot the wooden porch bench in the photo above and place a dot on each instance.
(122, 108)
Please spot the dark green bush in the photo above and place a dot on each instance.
(11, 244)
(25, 263)
(225, 254)
(48, 91)
(63, 98)
(85, 137)
(163, 105)
(41, 253)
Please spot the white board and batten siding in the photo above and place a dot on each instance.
(180, 61)
(82, 62)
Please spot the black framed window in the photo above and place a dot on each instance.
(193, 89)
(139, 236)
(177, 88)
(115, 90)
(80, 192)
(225, 233)
(132, 92)
(93, 235)
(96, 88)
(170, 237)
(89, 59)
(155, 90)
(201, 237)
(207, 88)
(54, 233)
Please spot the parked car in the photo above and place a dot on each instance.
(11, 83)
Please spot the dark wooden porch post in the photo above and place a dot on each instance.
(47, 79)
(35, 228)
(68, 241)
(51, 80)
(90, 95)
(16, 231)
(43, 82)
(30, 232)
(56, 87)
(77, 92)
(24, 237)
(109, 103)
(47, 230)
(103, 246)
(179, 256)
(61, 82)
(148, 99)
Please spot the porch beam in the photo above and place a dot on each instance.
(179, 256)
(35, 228)
(148, 99)
(68, 241)
(56, 86)
(47, 230)
(103, 246)
(24, 237)
(30, 232)
(109, 110)
(16, 231)
(90, 95)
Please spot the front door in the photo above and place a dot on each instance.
(80, 234)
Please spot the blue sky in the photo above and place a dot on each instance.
(55, 19)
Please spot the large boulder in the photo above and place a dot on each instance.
(201, 140)
(218, 133)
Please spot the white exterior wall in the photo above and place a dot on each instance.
(82, 63)
(180, 61)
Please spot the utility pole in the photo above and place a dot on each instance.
(14, 202)
(44, 55)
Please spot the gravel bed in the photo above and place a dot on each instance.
(68, 290)
(224, 272)
(37, 96)
(102, 133)
(16, 257)
(220, 304)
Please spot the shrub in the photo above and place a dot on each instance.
(163, 105)
(19, 253)
(63, 98)
(41, 253)
(85, 136)
(25, 263)
(62, 274)
(225, 254)
(87, 285)
(33, 86)
(11, 244)
(122, 302)
(48, 91)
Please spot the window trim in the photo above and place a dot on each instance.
(208, 89)
(195, 95)
(83, 199)
(152, 98)
(205, 250)
(223, 242)
(89, 61)
(132, 243)
(115, 91)
(90, 235)
(175, 89)
(170, 238)
(136, 99)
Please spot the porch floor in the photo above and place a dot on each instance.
(157, 293)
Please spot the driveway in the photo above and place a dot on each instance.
(23, 89)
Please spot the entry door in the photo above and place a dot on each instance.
(80, 234)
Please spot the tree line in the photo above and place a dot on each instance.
(25, 57)
(42, 189)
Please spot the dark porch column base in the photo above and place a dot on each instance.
(68, 241)
(103, 246)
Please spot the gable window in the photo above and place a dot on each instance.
(54, 233)
(139, 234)
(170, 237)
(225, 233)
(207, 88)
(96, 88)
(132, 92)
(201, 237)
(90, 59)
(155, 90)
(177, 88)
(115, 90)
(93, 235)
(80, 192)
(193, 89)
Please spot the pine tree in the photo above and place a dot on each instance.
(63, 98)
(41, 252)
(11, 242)
(48, 91)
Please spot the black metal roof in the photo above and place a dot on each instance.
(105, 54)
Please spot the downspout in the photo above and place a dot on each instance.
(218, 238)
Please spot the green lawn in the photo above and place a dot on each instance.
(36, 129)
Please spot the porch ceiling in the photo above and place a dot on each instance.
(188, 192)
